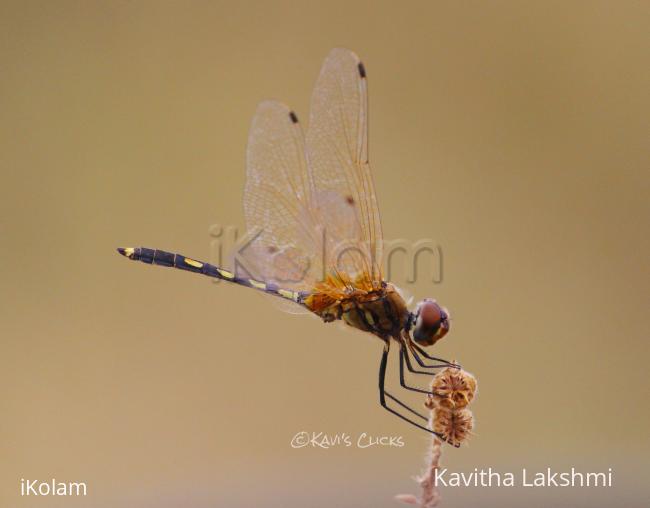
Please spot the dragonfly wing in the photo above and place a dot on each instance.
(281, 246)
(344, 196)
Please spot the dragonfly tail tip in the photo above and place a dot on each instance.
(126, 251)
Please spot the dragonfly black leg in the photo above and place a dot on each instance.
(404, 358)
(415, 349)
(397, 401)
(383, 394)
(409, 365)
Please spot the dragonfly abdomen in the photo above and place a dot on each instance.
(170, 259)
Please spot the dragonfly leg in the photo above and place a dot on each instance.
(383, 394)
(415, 349)
(407, 360)
(404, 359)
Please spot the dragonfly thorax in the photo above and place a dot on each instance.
(382, 312)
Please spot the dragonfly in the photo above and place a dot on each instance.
(311, 205)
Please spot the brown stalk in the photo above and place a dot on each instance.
(454, 389)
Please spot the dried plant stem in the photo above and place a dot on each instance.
(430, 493)
(453, 389)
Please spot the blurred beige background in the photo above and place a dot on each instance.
(514, 134)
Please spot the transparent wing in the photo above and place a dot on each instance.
(281, 246)
(344, 197)
(311, 208)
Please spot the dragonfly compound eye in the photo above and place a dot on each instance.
(431, 323)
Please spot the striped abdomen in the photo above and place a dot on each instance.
(163, 258)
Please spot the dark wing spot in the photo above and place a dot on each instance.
(293, 117)
(362, 70)
(349, 200)
(272, 249)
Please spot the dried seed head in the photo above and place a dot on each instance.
(453, 388)
(455, 425)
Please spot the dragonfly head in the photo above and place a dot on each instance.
(431, 322)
